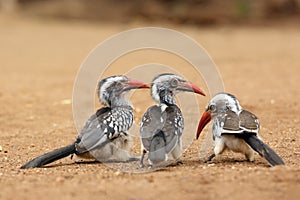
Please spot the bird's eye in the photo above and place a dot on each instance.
(174, 83)
(118, 85)
(227, 106)
(212, 107)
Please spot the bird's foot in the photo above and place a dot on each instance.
(209, 159)
(179, 162)
(142, 165)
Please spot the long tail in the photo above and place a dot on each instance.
(50, 157)
(263, 150)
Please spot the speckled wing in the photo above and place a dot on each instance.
(173, 127)
(249, 122)
(103, 127)
(93, 131)
(151, 123)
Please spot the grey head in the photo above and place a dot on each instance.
(165, 86)
(112, 90)
(223, 102)
(219, 105)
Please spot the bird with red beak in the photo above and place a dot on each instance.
(162, 125)
(105, 134)
(235, 129)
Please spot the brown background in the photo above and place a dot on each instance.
(39, 59)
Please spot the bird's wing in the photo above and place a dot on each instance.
(173, 127)
(229, 123)
(170, 122)
(93, 131)
(249, 122)
(233, 123)
(103, 127)
(151, 123)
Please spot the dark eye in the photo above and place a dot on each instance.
(212, 107)
(118, 85)
(227, 106)
(174, 83)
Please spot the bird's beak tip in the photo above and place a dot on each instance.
(194, 88)
(205, 119)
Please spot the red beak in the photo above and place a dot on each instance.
(206, 117)
(193, 88)
(133, 84)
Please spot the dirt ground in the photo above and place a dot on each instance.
(39, 60)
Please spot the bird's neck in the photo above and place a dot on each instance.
(120, 102)
(167, 97)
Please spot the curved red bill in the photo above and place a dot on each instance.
(206, 117)
(193, 87)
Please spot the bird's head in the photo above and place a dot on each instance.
(220, 103)
(165, 86)
(111, 90)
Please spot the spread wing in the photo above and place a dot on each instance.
(249, 122)
(232, 123)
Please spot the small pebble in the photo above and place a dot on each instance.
(59, 179)
(272, 101)
(65, 101)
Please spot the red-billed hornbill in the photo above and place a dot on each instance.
(235, 129)
(104, 135)
(162, 125)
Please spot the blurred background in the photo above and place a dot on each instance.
(203, 12)
(254, 43)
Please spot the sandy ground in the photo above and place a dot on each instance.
(39, 61)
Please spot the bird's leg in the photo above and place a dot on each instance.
(218, 149)
(249, 154)
(142, 158)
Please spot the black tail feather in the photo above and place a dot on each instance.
(50, 157)
(263, 150)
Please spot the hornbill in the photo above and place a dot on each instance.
(104, 135)
(235, 129)
(162, 125)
